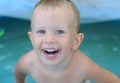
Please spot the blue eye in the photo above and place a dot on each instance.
(41, 32)
(60, 32)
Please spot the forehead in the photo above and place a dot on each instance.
(56, 13)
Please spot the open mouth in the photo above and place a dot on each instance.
(51, 53)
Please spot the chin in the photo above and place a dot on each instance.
(50, 62)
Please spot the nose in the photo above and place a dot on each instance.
(49, 38)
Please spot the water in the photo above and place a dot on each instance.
(101, 44)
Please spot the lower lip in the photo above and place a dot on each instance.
(51, 56)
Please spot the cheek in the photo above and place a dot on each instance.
(67, 43)
(36, 42)
(67, 47)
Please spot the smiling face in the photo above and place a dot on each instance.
(53, 34)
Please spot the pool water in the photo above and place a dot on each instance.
(101, 44)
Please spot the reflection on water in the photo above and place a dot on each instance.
(101, 44)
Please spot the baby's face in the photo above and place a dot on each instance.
(53, 34)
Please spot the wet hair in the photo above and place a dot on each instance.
(62, 3)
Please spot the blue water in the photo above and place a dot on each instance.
(101, 44)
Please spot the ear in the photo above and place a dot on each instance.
(30, 35)
(77, 41)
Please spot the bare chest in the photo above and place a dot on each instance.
(63, 77)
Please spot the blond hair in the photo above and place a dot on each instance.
(62, 3)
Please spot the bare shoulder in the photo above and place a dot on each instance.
(25, 62)
(86, 62)
(83, 59)
(95, 72)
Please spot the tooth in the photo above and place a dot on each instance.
(50, 50)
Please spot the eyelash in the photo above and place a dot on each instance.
(57, 32)
(41, 31)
